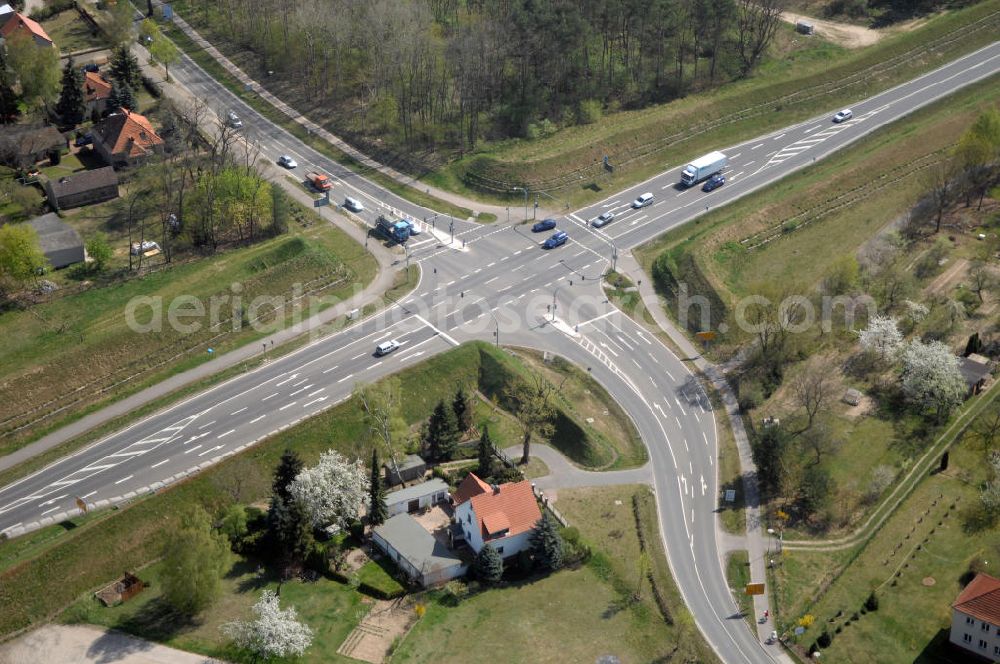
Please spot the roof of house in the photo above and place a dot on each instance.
(972, 371)
(127, 132)
(6, 9)
(54, 234)
(95, 86)
(416, 491)
(511, 507)
(470, 486)
(32, 140)
(19, 20)
(84, 181)
(981, 599)
(409, 461)
(418, 546)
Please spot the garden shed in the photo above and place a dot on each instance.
(419, 554)
(417, 497)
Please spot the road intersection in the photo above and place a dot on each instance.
(491, 283)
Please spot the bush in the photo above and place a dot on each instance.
(357, 530)
(454, 592)
(871, 603)
(824, 640)
(590, 111)
(152, 87)
(50, 9)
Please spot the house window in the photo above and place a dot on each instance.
(967, 638)
(969, 621)
(468, 518)
(986, 627)
(996, 650)
(982, 644)
(500, 549)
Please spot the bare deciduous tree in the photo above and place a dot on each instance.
(756, 23)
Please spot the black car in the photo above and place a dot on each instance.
(714, 182)
(86, 139)
(90, 67)
(544, 225)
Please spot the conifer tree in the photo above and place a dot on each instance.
(377, 512)
(488, 565)
(546, 544)
(71, 107)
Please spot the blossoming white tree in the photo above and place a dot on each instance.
(931, 377)
(273, 632)
(332, 490)
(882, 337)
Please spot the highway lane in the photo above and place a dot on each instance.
(499, 276)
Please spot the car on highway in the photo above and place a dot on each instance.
(287, 162)
(714, 182)
(643, 201)
(603, 218)
(845, 114)
(544, 225)
(386, 347)
(353, 204)
(558, 238)
(234, 120)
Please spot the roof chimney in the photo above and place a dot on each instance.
(496, 488)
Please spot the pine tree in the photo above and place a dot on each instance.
(486, 454)
(125, 69)
(442, 432)
(8, 99)
(462, 406)
(290, 530)
(377, 512)
(124, 98)
(488, 565)
(71, 107)
(288, 469)
(546, 544)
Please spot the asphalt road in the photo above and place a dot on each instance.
(489, 280)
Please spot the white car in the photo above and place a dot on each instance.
(604, 218)
(845, 114)
(234, 120)
(415, 227)
(353, 204)
(643, 201)
(287, 162)
(386, 347)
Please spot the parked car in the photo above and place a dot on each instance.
(353, 204)
(86, 139)
(845, 114)
(602, 219)
(643, 201)
(386, 347)
(558, 238)
(234, 120)
(287, 162)
(714, 182)
(90, 66)
(544, 225)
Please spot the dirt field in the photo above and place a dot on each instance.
(847, 35)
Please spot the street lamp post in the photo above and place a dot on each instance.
(525, 191)
(554, 293)
(497, 323)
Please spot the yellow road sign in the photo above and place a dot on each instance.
(755, 589)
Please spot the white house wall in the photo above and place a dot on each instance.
(971, 635)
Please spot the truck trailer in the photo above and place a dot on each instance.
(702, 168)
(393, 228)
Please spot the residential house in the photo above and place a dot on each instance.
(82, 188)
(411, 468)
(502, 515)
(96, 91)
(125, 138)
(60, 243)
(417, 497)
(421, 556)
(975, 619)
(975, 370)
(16, 22)
(23, 146)
(5, 12)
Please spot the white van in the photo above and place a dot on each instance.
(353, 204)
(643, 201)
(386, 347)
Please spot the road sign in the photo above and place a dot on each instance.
(707, 335)
(800, 630)
(755, 589)
(730, 495)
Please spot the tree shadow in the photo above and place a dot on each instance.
(114, 646)
(257, 575)
(157, 621)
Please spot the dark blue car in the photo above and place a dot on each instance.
(86, 139)
(714, 182)
(557, 239)
(544, 225)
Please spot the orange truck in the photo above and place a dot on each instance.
(320, 181)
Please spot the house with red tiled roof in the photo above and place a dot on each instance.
(16, 22)
(502, 515)
(96, 91)
(975, 618)
(125, 138)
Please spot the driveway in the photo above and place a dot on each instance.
(563, 474)
(78, 644)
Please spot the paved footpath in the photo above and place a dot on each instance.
(80, 644)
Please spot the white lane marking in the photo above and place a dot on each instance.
(237, 412)
(207, 424)
(359, 356)
(326, 371)
(55, 508)
(705, 436)
(52, 500)
(192, 449)
(287, 380)
(812, 129)
(301, 389)
(289, 405)
(210, 450)
(779, 136)
(124, 479)
(223, 435)
(316, 400)
(159, 463)
(441, 333)
(315, 392)
(257, 419)
(756, 146)
(487, 283)
(88, 495)
(750, 163)
(345, 378)
(518, 252)
(269, 396)
(449, 283)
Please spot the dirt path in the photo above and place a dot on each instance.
(849, 36)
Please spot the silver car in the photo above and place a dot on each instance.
(604, 218)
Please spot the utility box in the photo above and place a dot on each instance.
(805, 28)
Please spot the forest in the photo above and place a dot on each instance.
(450, 73)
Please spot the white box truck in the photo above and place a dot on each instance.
(702, 168)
